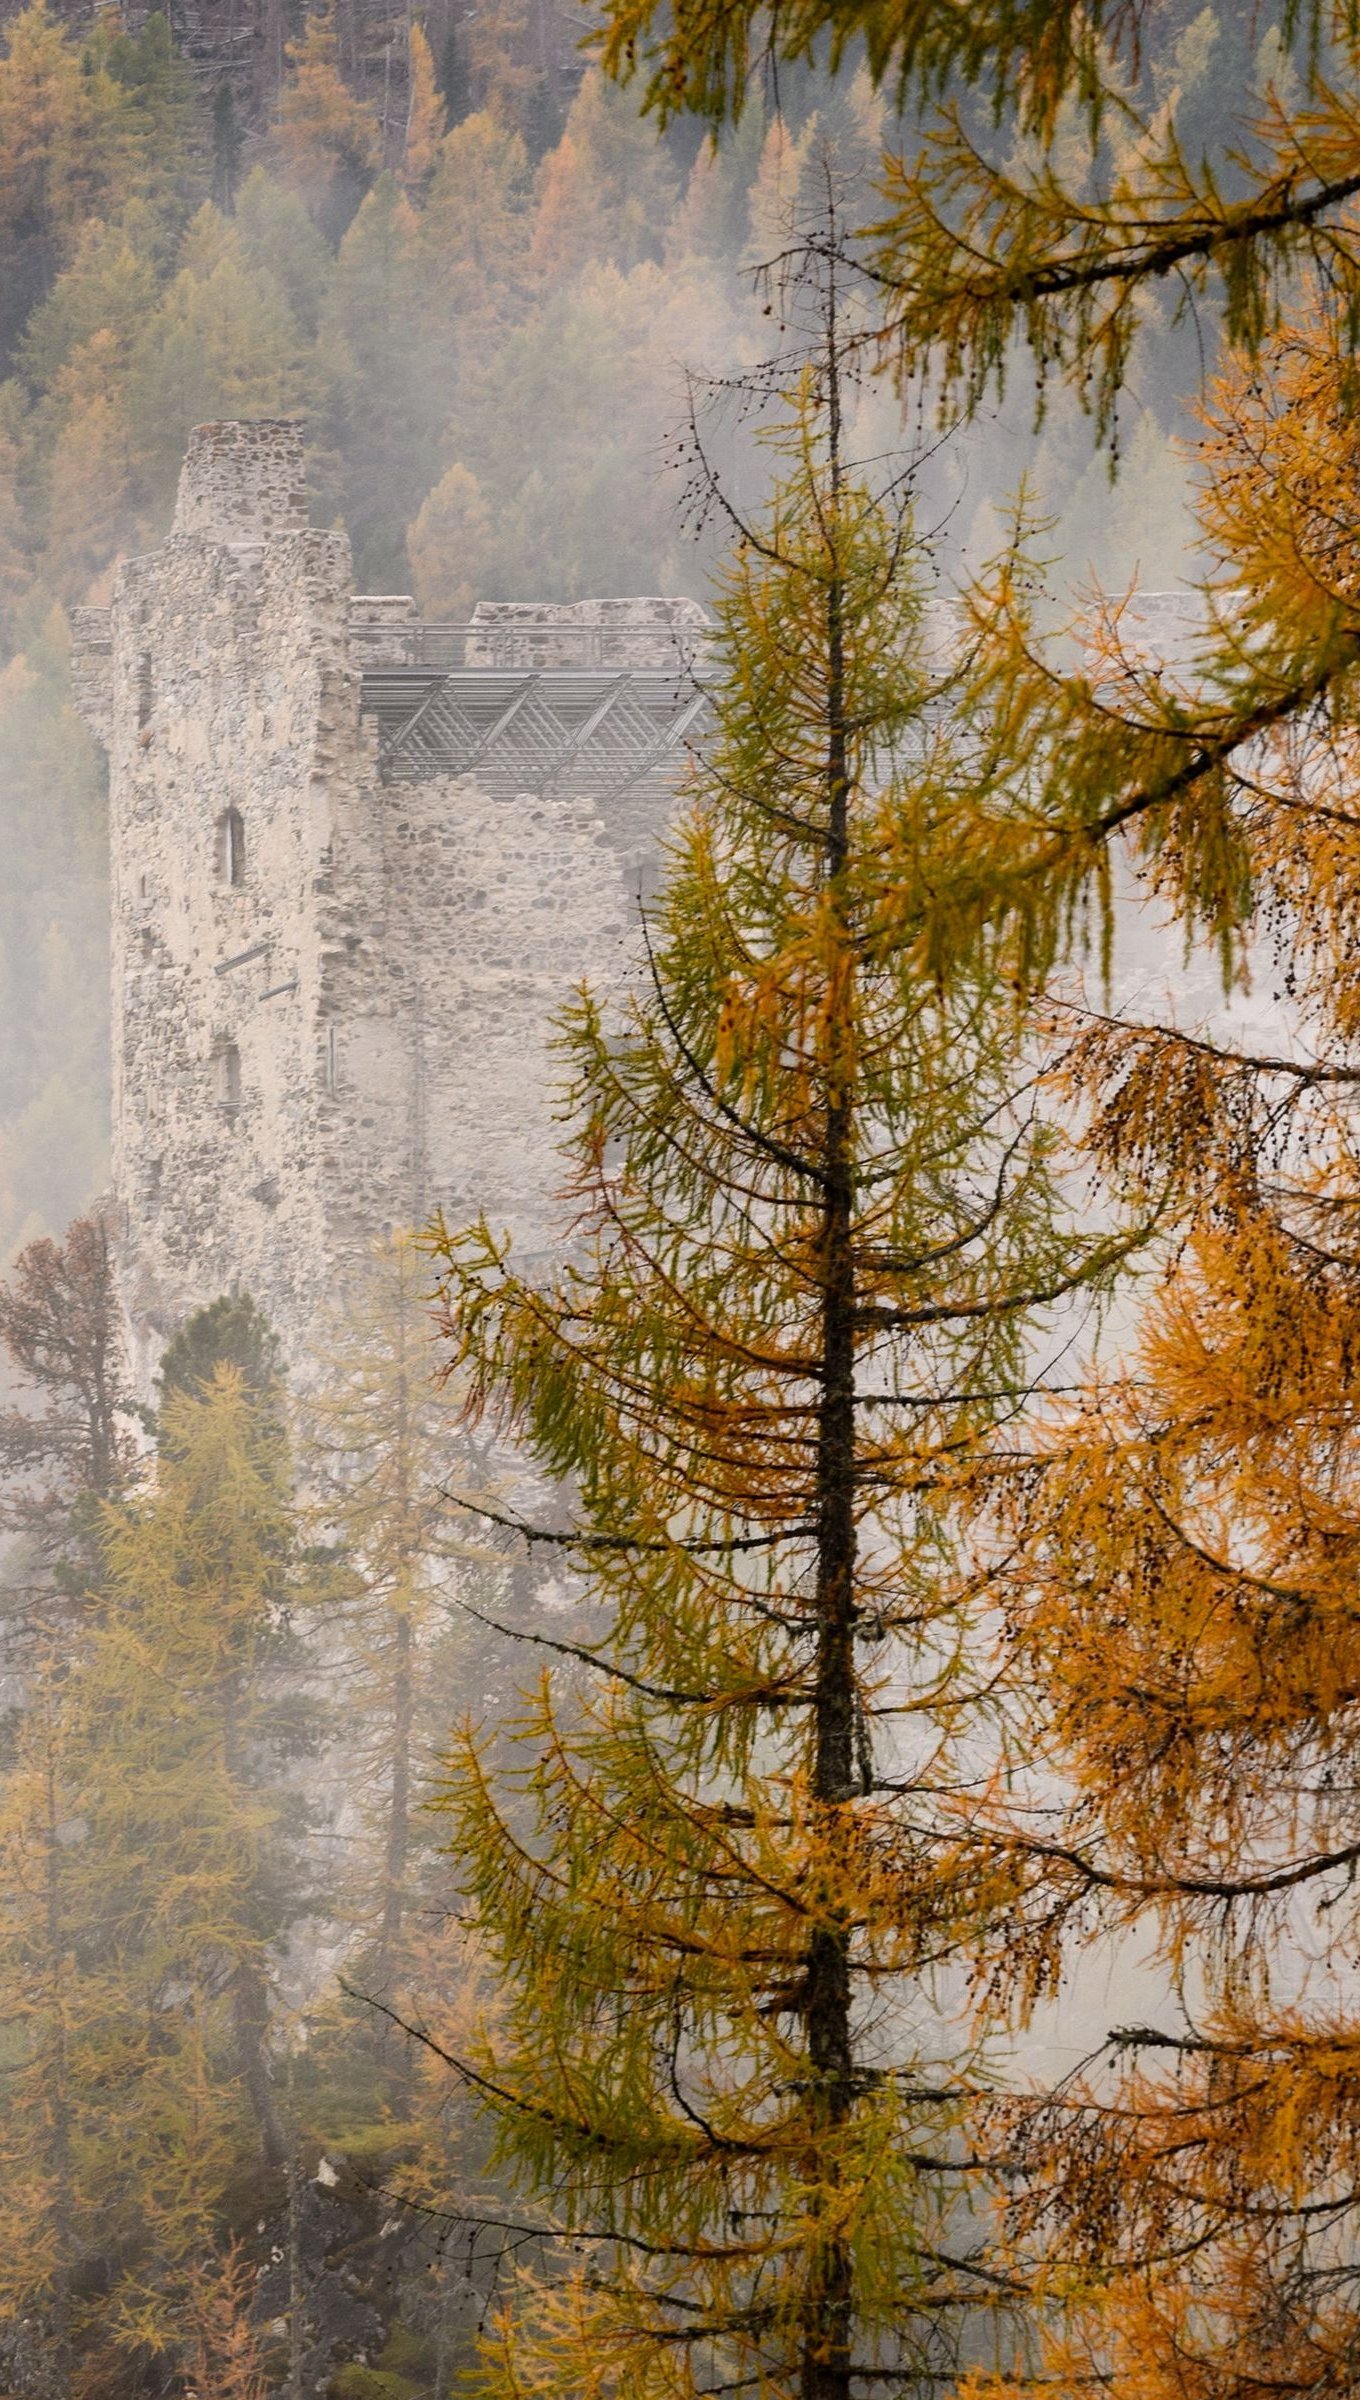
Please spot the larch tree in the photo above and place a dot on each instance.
(1052, 193)
(1179, 1574)
(815, 1231)
(1051, 198)
(64, 136)
(328, 142)
(55, 2015)
(67, 1450)
(151, 1848)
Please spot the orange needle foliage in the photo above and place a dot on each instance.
(1185, 1564)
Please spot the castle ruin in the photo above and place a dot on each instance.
(357, 864)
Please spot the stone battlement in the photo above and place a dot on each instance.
(242, 481)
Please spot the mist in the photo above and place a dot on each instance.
(517, 343)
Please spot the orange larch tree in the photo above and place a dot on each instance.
(1179, 1577)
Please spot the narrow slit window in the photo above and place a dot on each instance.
(146, 694)
(231, 847)
(227, 1075)
(331, 1061)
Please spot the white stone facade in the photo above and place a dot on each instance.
(332, 994)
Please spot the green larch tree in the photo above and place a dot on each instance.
(815, 1227)
(56, 2012)
(151, 1844)
(185, 1688)
(67, 1451)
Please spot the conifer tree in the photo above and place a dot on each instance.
(474, 224)
(223, 342)
(1178, 1575)
(327, 140)
(150, 1850)
(63, 139)
(385, 302)
(160, 115)
(67, 1441)
(203, 1577)
(816, 1227)
(1044, 182)
(424, 113)
(1064, 177)
(606, 191)
(227, 142)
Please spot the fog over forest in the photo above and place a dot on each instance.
(679, 1225)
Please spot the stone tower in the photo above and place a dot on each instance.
(356, 865)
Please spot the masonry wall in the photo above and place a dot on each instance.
(358, 1029)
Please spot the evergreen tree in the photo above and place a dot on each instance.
(67, 1441)
(228, 142)
(454, 82)
(279, 240)
(817, 1228)
(231, 1332)
(150, 1849)
(163, 130)
(424, 113)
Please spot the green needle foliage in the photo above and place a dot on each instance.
(148, 1844)
(816, 1224)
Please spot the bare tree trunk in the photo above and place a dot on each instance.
(829, 2319)
(250, 2017)
(59, 2103)
(295, 2326)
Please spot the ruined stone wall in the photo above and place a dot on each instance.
(499, 907)
(332, 997)
(572, 633)
(229, 667)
